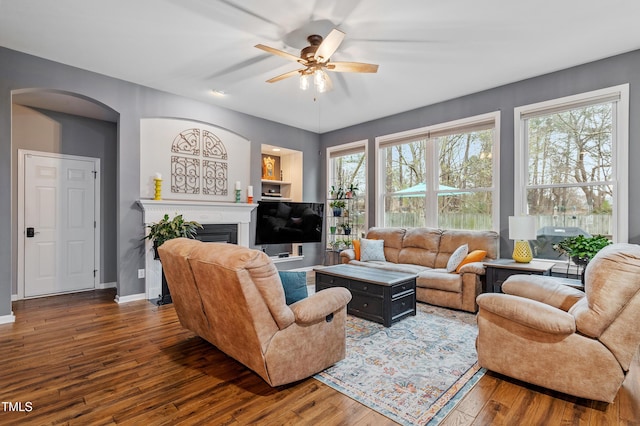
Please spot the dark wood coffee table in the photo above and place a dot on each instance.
(382, 296)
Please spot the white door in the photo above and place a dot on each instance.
(59, 219)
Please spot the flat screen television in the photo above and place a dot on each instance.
(283, 222)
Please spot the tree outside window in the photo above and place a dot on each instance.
(571, 183)
(441, 178)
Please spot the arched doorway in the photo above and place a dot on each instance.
(67, 124)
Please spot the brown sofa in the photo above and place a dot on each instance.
(232, 296)
(425, 252)
(546, 333)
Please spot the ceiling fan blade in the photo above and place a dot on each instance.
(351, 67)
(283, 76)
(329, 45)
(281, 53)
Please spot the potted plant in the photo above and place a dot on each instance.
(337, 206)
(351, 191)
(336, 193)
(581, 249)
(167, 229)
(346, 227)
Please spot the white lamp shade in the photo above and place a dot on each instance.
(522, 228)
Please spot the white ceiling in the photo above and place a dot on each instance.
(428, 50)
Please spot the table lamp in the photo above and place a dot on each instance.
(522, 229)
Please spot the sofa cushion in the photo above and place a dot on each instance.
(474, 256)
(457, 257)
(393, 240)
(294, 284)
(356, 249)
(440, 279)
(420, 246)
(476, 240)
(371, 250)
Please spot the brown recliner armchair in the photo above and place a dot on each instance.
(232, 296)
(552, 335)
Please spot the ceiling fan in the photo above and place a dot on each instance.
(315, 59)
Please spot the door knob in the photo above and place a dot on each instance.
(31, 232)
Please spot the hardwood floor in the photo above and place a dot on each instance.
(83, 359)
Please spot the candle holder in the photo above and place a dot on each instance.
(158, 189)
(238, 195)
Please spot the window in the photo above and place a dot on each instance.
(442, 176)
(571, 166)
(347, 169)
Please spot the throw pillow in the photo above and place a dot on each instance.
(356, 248)
(294, 284)
(371, 250)
(474, 256)
(457, 257)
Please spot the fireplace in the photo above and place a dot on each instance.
(210, 233)
(223, 222)
(218, 233)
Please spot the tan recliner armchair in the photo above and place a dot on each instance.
(554, 336)
(232, 296)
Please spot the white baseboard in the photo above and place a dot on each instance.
(7, 319)
(130, 298)
(102, 286)
(14, 297)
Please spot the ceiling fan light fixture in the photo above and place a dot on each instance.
(321, 86)
(304, 81)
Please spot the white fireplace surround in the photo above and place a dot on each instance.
(203, 212)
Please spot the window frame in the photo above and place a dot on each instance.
(620, 149)
(431, 133)
(349, 148)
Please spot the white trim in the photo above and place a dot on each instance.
(130, 298)
(14, 297)
(102, 286)
(467, 122)
(8, 319)
(620, 152)
(22, 153)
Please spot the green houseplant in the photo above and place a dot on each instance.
(337, 206)
(167, 229)
(581, 249)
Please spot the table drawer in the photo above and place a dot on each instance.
(331, 281)
(367, 288)
(403, 305)
(366, 305)
(405, 287)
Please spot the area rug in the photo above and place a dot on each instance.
(413, 372)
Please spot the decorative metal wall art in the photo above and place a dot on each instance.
(193, 169)
(185, 175)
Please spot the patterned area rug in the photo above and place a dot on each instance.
(413, 372)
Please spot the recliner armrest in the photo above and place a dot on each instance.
(527, 312)
(473, 267)
(348, 254)
(320, 305)
(543, 289)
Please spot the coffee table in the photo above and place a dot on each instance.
(382, 296)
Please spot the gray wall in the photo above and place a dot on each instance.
(596, 75)
(132, 102)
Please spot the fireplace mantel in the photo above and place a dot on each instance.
(200, 211)
(204, 212)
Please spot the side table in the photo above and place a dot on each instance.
(499, 270)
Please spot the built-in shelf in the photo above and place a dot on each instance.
(287, 171)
